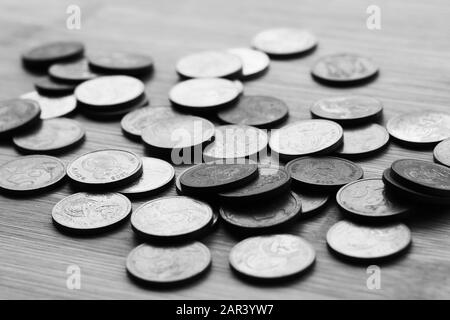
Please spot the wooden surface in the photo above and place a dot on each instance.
(412, 50)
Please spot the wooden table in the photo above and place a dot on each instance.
(412, 50)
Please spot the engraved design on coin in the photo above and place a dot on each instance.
(52, 107)
(363, 140)
(136, 121)
(346, 107)
(423, 172)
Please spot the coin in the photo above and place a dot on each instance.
(311, 202)
(87, 212)
(422, 176)
(236, 141)
(272, 256)
(171, 218)
(216, 177)
(367, 198)
(156, 175)
(258, 111)
(17, 115)
(280, 42)
(72, 72)
(48, 87)
(52, 107)
(348, 110)
(240, 86)
(306, 137)
(163, 265)
(365, 242)
(204, 94)
(124, 63)
(262, 216)
(420, 128)
(271, 181)
(31, 174)
(323, 173)
(363, 141)
(44, 55)
(441, 153)
(53, 135)
(105, 168)
(254, 62)
(344, 69)
(210, 64)
(107, 114)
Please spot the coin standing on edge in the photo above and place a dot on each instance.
(254, 62)
(52, 107)
(363, 141)
(123, 63)
(441, 153)
(17, 115)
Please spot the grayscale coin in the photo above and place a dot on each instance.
(72, 72)
(30, 174)
(306, 137)
(124, 63)
(272, 256)
(88, 212)
(441, 153)
(210, 64)
(258, 111)
(280, 42)
(52, 107)
(254, 62)
(363, 141)
(367, 198)
(168, 264)
(53, 135)
(48, 87)
(348, 110)
(108, 113)
(344, 69)
(311, 202)
(44, 55)
(365, 242)
(17, 115)
(171, 218)
(420, 128)
(239, 86)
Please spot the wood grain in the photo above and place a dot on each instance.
(412, 50)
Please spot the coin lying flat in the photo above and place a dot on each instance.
(87, 212)
(441, 153)
(420, 128)
(258, 111)
(48, 87)
(52, 107)
(204, 94)
(105, 168)
(423, 176)
(210, 64)
(311, 202)
(284, 41)
(156, 175)
(124, 63)
(109, 113)
(72, 72)
(365, 242)
(17, 115)
(31, 174)
(171, 218)
(367, 198)
(277, 212)
(363, 141)
(272, 257)
(323, 173)
(53, 135)
(236, 141)
(254, 62)
(44, 55)
(172, 264)
(348, 109)
(344, 69)
(306, 137)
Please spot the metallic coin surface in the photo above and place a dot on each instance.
(236, 141)
(263, 215)
(367, 198)
(15, 114)
(48, 87)
(125, 63)
(347, 109)
(441, 153)
(31, 173)
(168, 264)
(323, 172)
(72, 72)
(306, 137)
(210, 64)
(423, 127)
(365, 140)
(208, 93)
(155, 175)
(53, 52)
(258, 111)
(366, 242)
(311, 201)
(52, 107)
(254, 62)
(171, 217)
(284, 41)
(106, 167)
(272, 256)
(89, 211)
